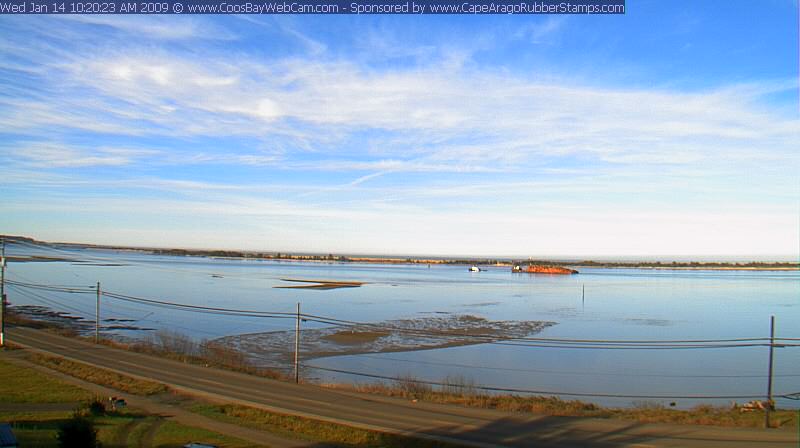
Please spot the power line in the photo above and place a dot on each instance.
(343, 322)
(200, 309)
(25, 279)
(549, 343)
(563, 372)
(128, 261)
(86, 314)
(537, 392)
(542, 342)
(486, 338)
(605, 344)
(36, 297)
(68, 289)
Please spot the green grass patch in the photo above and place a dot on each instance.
(98, 375)
(39, 429)
(138, 432)
(174, 435)
(24, 385)
(112, 430)
(35, 429)
(291, 426)
(117, 429)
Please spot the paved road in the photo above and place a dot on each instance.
(466, 426)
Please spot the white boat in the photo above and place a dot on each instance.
(474, 269)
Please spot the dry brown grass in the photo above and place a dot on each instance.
(463, 392)
(98, 375)
(179, 347)
(330, 434)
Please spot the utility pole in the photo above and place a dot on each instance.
(769, 380)
(297, 346)
(97, 315)
(3, 293)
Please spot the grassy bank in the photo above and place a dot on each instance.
(285, 425)
(21, 385)
(180, 347)
(116, 429)
(98, 376)
(291, 426)
(163, 343)
(463, 393)
(38, 426)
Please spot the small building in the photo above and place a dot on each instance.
(7, 438)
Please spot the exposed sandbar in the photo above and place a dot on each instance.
(318, 284)
(424, 333)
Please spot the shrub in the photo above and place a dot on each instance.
(459, 385)
(77, 432)
(96, 407)
(413, 388)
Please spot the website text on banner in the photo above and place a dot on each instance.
(315, 7)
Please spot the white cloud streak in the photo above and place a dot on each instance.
(420, 153)
(155, 27)
(59, 156)
(517, 120)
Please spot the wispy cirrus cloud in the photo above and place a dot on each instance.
(301, 138)
(52, 155)
(156, 27)
(517, 120)
(541, 32)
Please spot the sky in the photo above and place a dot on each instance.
(671, 130)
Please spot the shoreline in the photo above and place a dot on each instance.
(691, 268)
(489, 262)
(778, 267)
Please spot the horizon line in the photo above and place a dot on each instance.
(705, 258)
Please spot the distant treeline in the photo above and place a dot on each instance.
(418, 260)
(329, 257)
(684, 264)
(475, 261)
(238, 254)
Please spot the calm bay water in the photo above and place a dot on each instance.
(619, 304)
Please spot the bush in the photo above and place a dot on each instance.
(77, 432)
(460, 386)
(412, 388)
(96, 407)
(174, 342)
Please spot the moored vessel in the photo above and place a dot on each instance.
(542, 269)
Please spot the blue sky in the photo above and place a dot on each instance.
(671, 130)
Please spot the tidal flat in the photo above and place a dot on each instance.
(273, 348)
